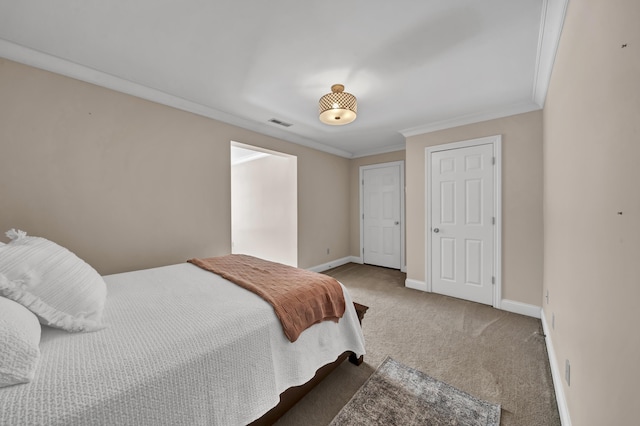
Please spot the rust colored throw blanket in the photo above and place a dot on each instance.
(300, 298)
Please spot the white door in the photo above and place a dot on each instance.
(462, 223)
(381, 208)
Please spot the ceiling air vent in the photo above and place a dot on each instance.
(280, 123)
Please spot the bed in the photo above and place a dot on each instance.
(181, 346)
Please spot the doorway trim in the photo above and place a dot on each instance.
(496, 142)
(403, 264)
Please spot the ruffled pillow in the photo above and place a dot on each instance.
(20, 337)
(53, 283)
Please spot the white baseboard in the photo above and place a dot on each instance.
(333, 264)
(563, 409)
(351, 259)
(520, 308)
(506, 305)
(415, 284)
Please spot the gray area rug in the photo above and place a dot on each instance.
(399, 395)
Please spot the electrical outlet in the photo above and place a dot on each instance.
(567, 372)
(553, 321)
(328, 251)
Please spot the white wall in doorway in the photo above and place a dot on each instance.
(264, 204)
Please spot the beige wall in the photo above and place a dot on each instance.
(592, 172)
(354, 187)
(521, 200)
(130, 184)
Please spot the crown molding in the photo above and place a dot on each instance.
(381, 150)
(552, 20)
(471, 119)
(551, 23)
(70, 69)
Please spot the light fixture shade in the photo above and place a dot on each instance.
(338, 107)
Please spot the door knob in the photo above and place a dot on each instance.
(436, 230)
(397, 223)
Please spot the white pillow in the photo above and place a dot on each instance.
(20, 337)
(53, 283)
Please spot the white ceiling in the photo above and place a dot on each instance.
(414, 65)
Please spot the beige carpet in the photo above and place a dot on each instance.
(494, 355)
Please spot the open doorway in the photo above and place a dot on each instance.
(264, 204)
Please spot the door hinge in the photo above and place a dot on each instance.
(493, 161)
(363, 251)
(362, 215)
(493, 280)
(493, 220)
(362, 182)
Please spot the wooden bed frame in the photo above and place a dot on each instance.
(291, 396)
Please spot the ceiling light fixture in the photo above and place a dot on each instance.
(338, 107)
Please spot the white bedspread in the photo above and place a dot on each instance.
(183, 347)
